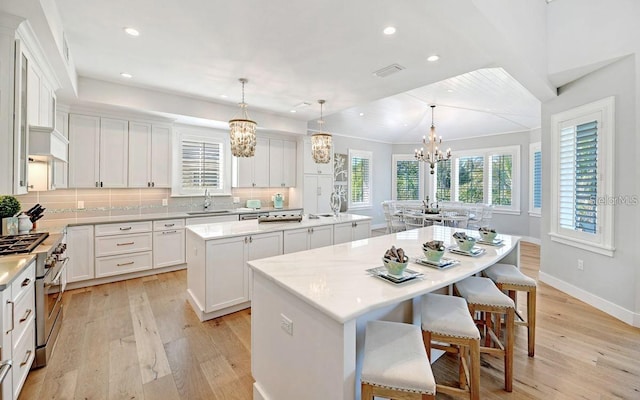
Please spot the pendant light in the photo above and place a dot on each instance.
(432, 155)
(243, 131)
(321, 142)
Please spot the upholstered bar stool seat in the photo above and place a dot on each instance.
(446, 319)
(483, 296)
(395, 363)
(509, 278)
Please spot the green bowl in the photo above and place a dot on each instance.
(465, 245)
(433, 255)
(488, 236)
(395, 268)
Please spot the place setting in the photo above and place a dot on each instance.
(394, 268)
(465, 245)
(433, 256)
(488, 237)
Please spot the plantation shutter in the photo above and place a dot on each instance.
(407, 180)
(201, 165)
(360, 180)
(501, 168)
(586, 176)
(537, 179)
(443, 181)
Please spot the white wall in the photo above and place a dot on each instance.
(608, 283)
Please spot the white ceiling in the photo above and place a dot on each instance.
(301, 51)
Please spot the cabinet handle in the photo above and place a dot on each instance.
(153, 184)
(100, 183)
(250, 239)
(12, 315)
(319, 171)
(26, 282)
(148, 184)
(167, 232)
(246, 239)
(97, 184)
(125, 244)
(123, 264)
(128, 228)
(27, 356)
(169, 225)
(26, 315)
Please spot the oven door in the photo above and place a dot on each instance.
(55, 282)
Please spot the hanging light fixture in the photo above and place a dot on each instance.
(432, 154)
(321, 142)
(243, 131)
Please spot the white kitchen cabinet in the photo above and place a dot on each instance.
(122, 248)
(310, 166)
(317, 193)
(18, 330)
(168, 243)
(149, 155)
(282, 163)
(41, 103)
(98, 152)
(80, 251)
(60, 168)
(253, 171)
(222, 275)
(307, 238)
(21, 122)
(350, 231)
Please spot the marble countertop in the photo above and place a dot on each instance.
(252, 227)
(12, 266)
(334, 279)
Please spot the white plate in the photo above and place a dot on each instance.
(407, 276)
(474, 252)
(442, 264)
(495, 242)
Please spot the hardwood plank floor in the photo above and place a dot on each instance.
(140, 339)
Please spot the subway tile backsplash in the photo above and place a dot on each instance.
(71, 204)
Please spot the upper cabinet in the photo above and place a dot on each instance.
(98, 152)
(41, 103)
(310, 166)
(149, 155)
(282, 163)
(274, 165)
(21, 134)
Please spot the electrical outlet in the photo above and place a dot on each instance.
(286, 324)
(80, 204)
(236, 200)
(580, 265)
(165, 202)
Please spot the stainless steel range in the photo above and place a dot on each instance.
(51, 262)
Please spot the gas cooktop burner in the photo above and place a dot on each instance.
(21, 243)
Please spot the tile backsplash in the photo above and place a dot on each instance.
(65, 204)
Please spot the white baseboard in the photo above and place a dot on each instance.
(531, 239)
(624, 315)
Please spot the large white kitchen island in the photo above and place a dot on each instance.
(309, 309)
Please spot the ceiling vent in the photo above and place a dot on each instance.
(386, 71)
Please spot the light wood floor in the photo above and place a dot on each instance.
(139, 339)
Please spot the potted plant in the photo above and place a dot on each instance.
(9, 206)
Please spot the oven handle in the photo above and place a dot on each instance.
(56, 278)
(4, 370)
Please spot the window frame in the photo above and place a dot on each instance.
(394, 181)
(533, 149)
(206, 136)
(516, 179)
(602, 242)
(361, 154)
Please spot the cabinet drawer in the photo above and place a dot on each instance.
(117, 265)
(23, 355)
(167, 224)
(24, 312)
(123, 228)
(169, 248)
(24, 281)
(123, 244)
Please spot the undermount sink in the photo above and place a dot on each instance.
(208, 212)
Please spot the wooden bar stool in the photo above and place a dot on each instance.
(483, 296)
(395, 363)
(446, 319)
(509, 278)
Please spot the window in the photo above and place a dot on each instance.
(488, 176)
(360, 194)
(535, 179)
(407, 179)
(202, 161)
(582, 165)
(443, 181)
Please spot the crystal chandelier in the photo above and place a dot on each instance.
(433, 155)
(321, 142)
(243, 131)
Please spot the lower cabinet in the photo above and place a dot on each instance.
(307, 238)
(350, 231)
(18, 331)
(80, 243)
(168, 243)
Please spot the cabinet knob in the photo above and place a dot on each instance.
(153, 184)
(148, 184)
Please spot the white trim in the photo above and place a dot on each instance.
(421, 181)
(361, 154)
(504, 211)
(582, 244)
(602, 242)
(624, 315)
(533, 149)
(535, 214)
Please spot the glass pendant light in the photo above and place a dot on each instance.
(321, 142)
(243, 131)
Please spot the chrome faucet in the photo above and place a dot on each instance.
(207, 200)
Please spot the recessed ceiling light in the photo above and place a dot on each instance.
(450, 90)
(132, 32)
(389, 30)
(224, 96)
(433, 58)
(125, 75)
(362, 114)
(292, 111)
